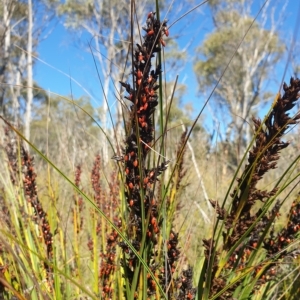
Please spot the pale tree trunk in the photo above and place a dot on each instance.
(27, 120)
(15, 82)
(9, 72)
(13, 66)
(6, 42)
(7, 30)
(18, 80)
(15, 87)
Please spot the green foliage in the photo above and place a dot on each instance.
(129, 228)
(221, 43)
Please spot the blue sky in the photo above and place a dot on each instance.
(61, 51)
(64, 52)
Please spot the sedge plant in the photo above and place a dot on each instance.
(118, 239)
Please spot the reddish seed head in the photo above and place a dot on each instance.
(139, 74)
(131, 203)
(135, 163)
(154, 221)
(130, 185)
(167, 32)
(189, 296)
(140, 57)
(153, 283)
(163, 43)
(151, 93)
(150, 32)
(248, 252)
(150, 15)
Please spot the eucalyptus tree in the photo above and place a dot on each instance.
(108, 23)
(12, 23)
(21, 25)
(242, 90)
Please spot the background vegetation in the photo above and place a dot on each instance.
(211, 218)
